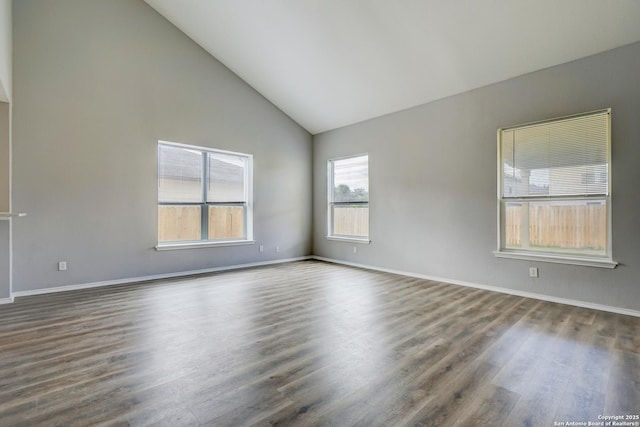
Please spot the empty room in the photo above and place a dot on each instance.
(319, 212)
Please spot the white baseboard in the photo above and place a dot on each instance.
(152, 277)
(584, 304)
(542, 297)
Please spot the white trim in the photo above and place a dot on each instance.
(557, 259)
(331, 194)
(248, 193)
(152, 277)
(584, 304)
(201, 244)
(558, 119)
(364, 241)
(202, 148)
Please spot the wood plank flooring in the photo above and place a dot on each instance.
(311, 343)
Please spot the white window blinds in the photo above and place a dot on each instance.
(565, 157)
(351, 180)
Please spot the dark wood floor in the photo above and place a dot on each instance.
(310, 343)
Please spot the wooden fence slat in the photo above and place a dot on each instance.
(351, 221)
(559, 226)
(182, 223)
(226, 222)
(178, 223)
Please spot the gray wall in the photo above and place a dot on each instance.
(96, 84)
(433, 181)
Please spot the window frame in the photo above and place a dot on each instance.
(604, 261)
(247, 203)
(331, 203)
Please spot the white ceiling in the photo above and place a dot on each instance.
(331, 63)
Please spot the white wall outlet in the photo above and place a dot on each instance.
(261, 248)
(533, 271)
(277, 248)
(355, 249)
(62, 266)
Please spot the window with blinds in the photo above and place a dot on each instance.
(554, 186)
(349, 198)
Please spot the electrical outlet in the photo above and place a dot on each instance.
(533, 271)
(355, 249)
(261, 248)
(277, 249)
(62, 266)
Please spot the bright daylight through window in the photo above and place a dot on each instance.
(204, 195)
(554, 188)
(349, 198)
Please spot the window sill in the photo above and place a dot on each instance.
(362, 240)
(205, 244)
(558, 259)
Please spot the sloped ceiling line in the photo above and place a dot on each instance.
(331, 63)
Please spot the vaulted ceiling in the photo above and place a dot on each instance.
(331, 63)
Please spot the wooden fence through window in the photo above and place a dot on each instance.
(559, 226)
(182, 223)
(351, 221)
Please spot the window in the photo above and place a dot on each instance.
(349, 198)
(554, 190)
(204, 196)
